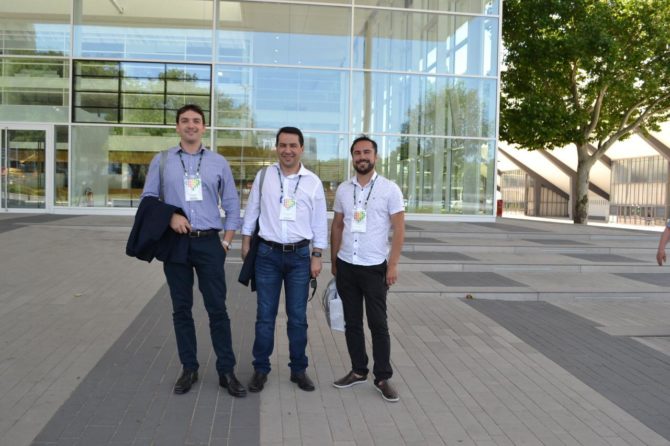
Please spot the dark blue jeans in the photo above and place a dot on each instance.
(358, 286)
(206, 256)
(293, 269)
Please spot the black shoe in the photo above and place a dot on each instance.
(303, 381)
(387, 390)
(349, 380)
(230, 382)
(257, 381)
(185, 381)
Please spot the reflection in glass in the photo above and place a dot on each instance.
(135, 92)
(426, 43)
(110, 164)
(264, 97)
(22, 161)
(61, 187)
(147, 29)
(428, 105)
(266, 33)
(29, 30)
(440, 175)
(34, 90)
(470, 6)
(327, 155)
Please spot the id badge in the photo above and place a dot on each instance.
(359, 220)
(193, 188)
(287, 211)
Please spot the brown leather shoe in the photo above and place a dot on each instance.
(387, 390)
(185, 381)
(303, 381)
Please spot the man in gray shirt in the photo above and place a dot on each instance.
(195, 179)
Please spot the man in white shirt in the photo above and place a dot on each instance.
(366, 207)
(291, 211)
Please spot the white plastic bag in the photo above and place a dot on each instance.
(332, 306)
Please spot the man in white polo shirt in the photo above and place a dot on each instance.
(366, 207)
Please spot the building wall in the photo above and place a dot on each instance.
(420, 77)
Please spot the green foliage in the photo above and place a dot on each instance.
(583, 71)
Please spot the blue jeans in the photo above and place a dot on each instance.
(207, 256)
(272, 268)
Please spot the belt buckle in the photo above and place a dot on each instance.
(195, 234)
(288, 248)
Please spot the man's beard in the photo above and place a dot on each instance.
(364, 168)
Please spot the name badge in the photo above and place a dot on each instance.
(287, 211)
(359, 220)
(193, 188)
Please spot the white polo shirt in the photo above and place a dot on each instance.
(385, 199)
(311, 221)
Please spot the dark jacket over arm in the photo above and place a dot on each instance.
(152, 237)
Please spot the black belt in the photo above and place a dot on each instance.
(288, 247)
(206, 233)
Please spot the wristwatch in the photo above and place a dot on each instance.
(316, 254)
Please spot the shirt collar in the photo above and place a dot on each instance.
(354, 180)
(303, 170)
(178, 148)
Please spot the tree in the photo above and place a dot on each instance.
(584, 72)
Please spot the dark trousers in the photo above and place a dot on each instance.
(358, 285)
(206, 256)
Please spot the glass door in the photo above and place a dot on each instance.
(25, 157)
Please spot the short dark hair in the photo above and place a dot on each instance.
(291, 130)
(191, 107)
(363, 138)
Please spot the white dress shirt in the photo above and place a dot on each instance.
(385, 199)
(311, 221)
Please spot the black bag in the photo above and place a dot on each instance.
(248, 271)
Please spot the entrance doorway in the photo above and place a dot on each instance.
(26, 164)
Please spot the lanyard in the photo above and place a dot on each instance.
(197, 172)
(365, 206)
(281, 185)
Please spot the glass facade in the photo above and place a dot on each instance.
(420, 77)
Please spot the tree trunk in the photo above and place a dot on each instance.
(580, 200)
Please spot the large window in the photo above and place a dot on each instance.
(426, 43)
(36, 27)
(110, 164)
(34, 89)
(284, 34)
(440, 175)
(137, 93)
(269, 98)
(471, 6)
(173, 30)
(430, 105)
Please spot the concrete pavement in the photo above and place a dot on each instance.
(565, 341)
